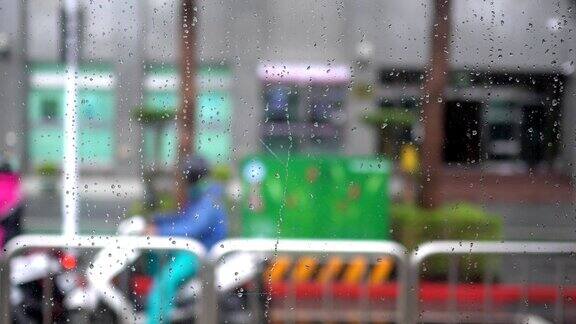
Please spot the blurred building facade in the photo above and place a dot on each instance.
(302, 76)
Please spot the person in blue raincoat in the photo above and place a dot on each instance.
(204, 219)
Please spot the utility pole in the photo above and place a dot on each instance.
(187, 112)
(70, 170)
(435, 83)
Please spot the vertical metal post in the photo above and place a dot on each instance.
(525, 275)
(452, 281)
(364, 302)
(488, 280)
(403, 284)
(559, 305)
(70, 166)
(291, 304)
(410, 309)
(47, 289)
(327, 300)
(5, 311)
(254, 299)
(209, 301)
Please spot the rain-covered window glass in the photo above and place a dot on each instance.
(275, 161)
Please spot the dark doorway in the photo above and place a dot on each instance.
(462, 132)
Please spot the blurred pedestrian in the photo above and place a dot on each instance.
(10, 202)
(203, 218)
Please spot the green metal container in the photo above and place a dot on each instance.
(315, 197)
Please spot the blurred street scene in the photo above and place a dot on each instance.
(366, 122)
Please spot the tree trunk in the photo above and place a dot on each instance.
(435, 84)
(187, 112)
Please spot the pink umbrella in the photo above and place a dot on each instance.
(10, 193)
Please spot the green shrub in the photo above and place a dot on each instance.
(166, 203)
(148, 115)
(48, 169)
(412, 226)
(407, 224)
(392, 117)
(221, 173)
(463, 222)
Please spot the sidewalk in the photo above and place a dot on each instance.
(103, 203)
(101, 188)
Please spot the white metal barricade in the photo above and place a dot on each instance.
(269, 247)
(23, 242)
(453, 249)
(408, 267)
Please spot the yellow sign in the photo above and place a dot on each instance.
(409, 161)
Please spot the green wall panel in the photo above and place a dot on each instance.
(322, 196)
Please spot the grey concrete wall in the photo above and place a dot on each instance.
(398, 30)
(511, 34)
(43, 25)
(305, 30)
(12, 81)
(127, 56)
(108, 29)
(161, 30)
(498, 34)
(214, 39)
(247, 46)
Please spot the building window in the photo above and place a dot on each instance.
(49, 110)
(213, 115)
(503, 123)
(462, 127)
(396, 121)
(325, 105)
(506, 121)
(534, 134)
(96, 102)
(302, 117)
(303, 107)
(281, 103)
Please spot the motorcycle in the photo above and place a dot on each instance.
(40, 280)
(117, 283)
(37, 276)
